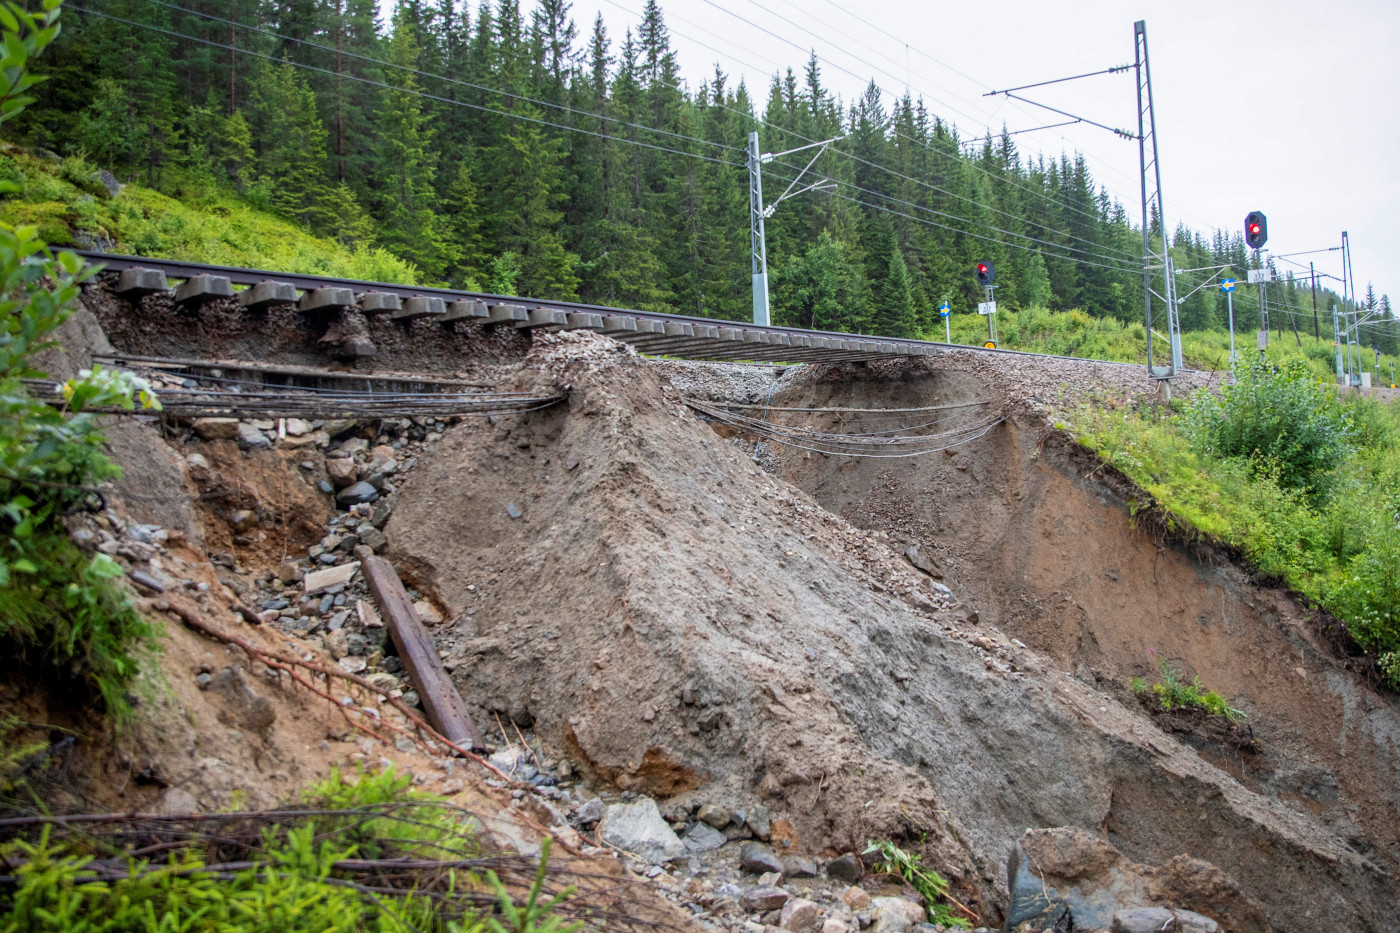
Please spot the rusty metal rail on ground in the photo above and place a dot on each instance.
(653, 333)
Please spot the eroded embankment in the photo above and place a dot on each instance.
(683, 623)
(1027, 529)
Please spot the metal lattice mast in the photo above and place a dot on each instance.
(758, 247)
(1152, 200)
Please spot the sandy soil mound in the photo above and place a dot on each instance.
(637, 590)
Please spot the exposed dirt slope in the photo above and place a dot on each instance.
(683, 622)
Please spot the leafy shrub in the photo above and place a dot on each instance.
(1283, 422)
(930, 884)
(1174, 693)
(1368, 597)
(54, 602)
(286, 881)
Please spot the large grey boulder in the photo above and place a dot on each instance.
(1054, 870)
(637, 827)
(1158, 919)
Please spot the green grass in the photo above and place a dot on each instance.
(205, 225)
(929, 883)
(1076, 333)
(1340, 552)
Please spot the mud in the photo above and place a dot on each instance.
(685, 624)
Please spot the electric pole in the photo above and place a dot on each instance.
(1312, 268)
(758, 213)
(1147, 128)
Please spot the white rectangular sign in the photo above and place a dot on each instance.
(987, 307)
(1260, 275)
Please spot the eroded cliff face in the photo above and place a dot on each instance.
(631, 585)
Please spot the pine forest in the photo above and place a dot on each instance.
(511, 150)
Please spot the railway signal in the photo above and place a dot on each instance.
(986, 273)
(1256, 229)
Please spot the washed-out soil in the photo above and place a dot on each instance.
(1041, 538)
(631, 585)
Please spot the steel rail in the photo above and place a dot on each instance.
(765, 350)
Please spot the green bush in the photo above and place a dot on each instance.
(1282, 422)
(284, 881)
(929, 883)
(56, 605)
(1174, 693)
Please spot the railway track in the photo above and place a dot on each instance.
(651, 332)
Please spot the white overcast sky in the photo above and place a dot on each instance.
(1288, 107)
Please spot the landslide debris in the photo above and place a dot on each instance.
(634, 589)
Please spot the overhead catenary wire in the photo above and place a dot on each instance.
(389, 87)
(992, 177)
(440, 77)
(516, 116)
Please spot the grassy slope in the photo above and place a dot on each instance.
(61, 199)
(1074, 333)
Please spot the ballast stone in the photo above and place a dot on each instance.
(637, 827)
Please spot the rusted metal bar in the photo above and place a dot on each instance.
(441, 701)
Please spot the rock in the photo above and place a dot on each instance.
(703, 838)
(289, 571)
(715, 815)
(835, 926)
(296, 427)
(247, 710)
(764, 897)
(513, 510)
(372, 538)
(342, 472)
(243, 521)
(921, 561)
(146, 581)
(319, 580)
(337, 426)
(847, 868)
(799, 914)
(895, 915)
(1159, 919)
(756, 858)
(856, 898)
(338, 644)
(591, 812)
(637, 827)
(411, 698)
(216, 429)
(175, 801)
(198, 467)
(382, 509)
(799, 866)
(760, 822)
(1050, 869)
(203, 679)
(352, 665)
(249, 436)
(357, 493)
(427, 613)
(108, 183)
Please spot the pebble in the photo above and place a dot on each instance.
(756, 858)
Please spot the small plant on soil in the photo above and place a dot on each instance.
(1175, 693)
(929, 883)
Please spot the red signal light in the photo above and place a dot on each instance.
(982, 267)
(1253, 228)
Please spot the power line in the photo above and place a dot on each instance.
(389, 87)
(457, 81)
(920, 207)
(958, 159)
